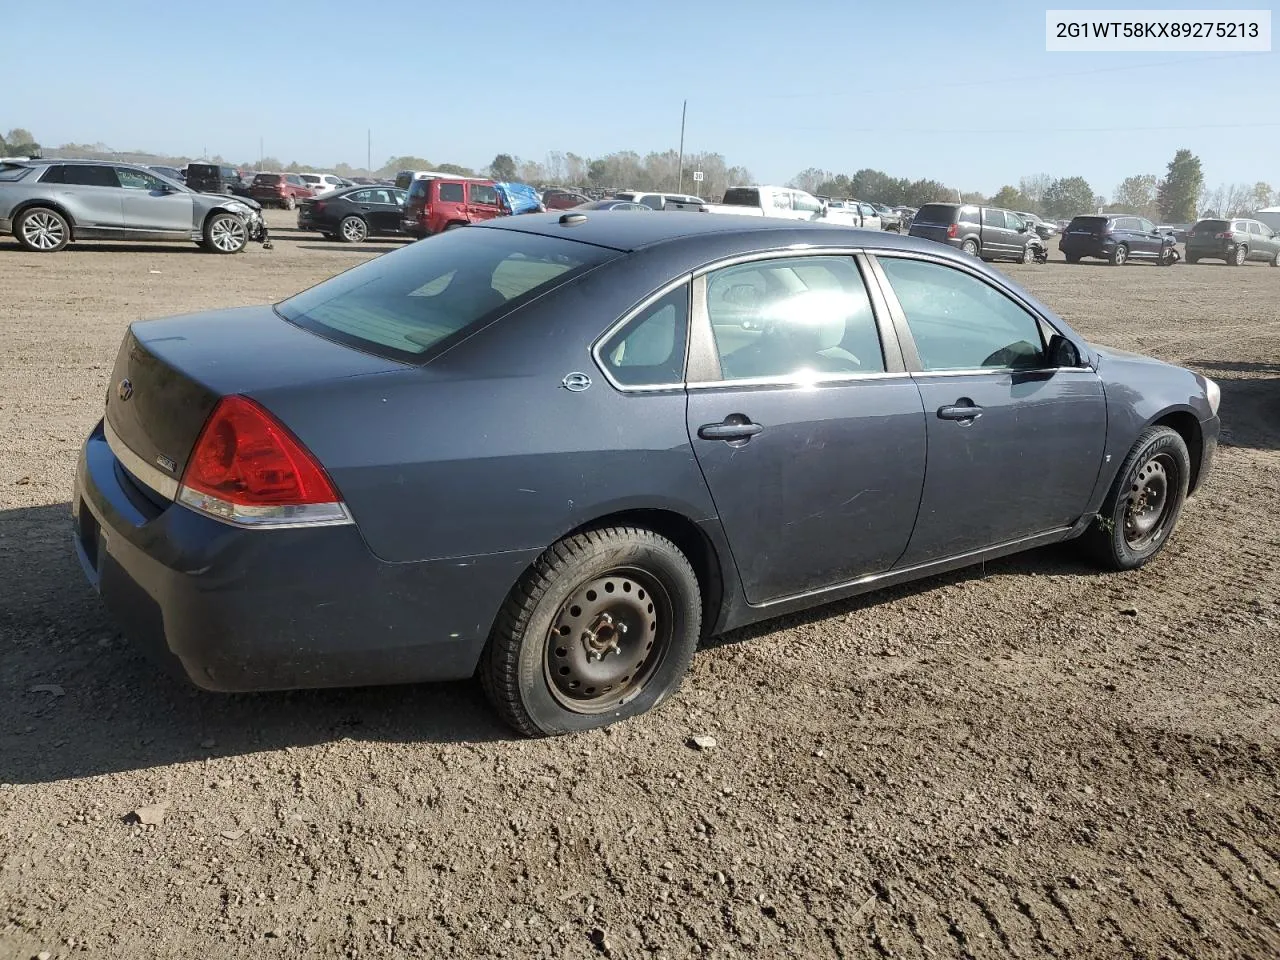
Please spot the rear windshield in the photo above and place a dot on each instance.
(267, 178)
(742, 197)
(11, 172)
(1088, 223)
(420, 300)
(1217, 225)
(944, 213)
(419, 188)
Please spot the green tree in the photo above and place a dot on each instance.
(19, 135)
(456, 169)
(920, 192)
(1137, 195)
(1262, 194)
(1180, 189)
(396, 164)
(1011, 198)
(503, 167)
(1067, 198)
(876, 185)
(598, 172)
(809, 180)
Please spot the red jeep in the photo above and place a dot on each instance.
(442, 203)
(280, 189)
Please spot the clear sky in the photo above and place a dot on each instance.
(960, 92)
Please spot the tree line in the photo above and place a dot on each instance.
(1179, 196)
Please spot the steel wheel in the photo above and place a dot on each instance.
(606, 640)
(227, 234)
(1148, 507)
(43, 230)
(354, 230)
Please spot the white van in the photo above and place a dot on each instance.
(1270, 216)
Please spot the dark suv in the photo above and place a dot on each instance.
(991, 233)
(1234, 241)
(1114, 239)
(212, 178)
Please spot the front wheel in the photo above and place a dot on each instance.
(290, 203)
(1028, 254)
(601, 628)
(225, 233)
(1144, 502)
(1119, 255)
(42, 230)
(353, 229)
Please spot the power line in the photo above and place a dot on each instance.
(970, 131)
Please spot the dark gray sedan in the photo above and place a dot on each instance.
(556, 450)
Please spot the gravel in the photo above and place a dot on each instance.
(1026, 758)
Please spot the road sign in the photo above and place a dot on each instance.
(697, 176)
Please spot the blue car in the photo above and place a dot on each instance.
(556, 450)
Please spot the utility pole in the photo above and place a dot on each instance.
(680, 175)
(368, 152)
(260, 154)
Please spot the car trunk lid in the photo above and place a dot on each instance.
(169, 375)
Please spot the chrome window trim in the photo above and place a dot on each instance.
(627, 317)
(793, 380)
(1012, 371)
(775, 253)
(148, 475)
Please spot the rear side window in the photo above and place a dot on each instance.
(88, 175)
(1240, 227)
(937, 213)
(649, 351)
(9, 174)
(959, 322)
(450, 193)
(310, 178)
(417, 302)
(418, 189)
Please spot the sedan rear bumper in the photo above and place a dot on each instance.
(243, 610)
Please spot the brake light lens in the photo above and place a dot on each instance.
(1222, 236)
(951, 231)
(248, 469)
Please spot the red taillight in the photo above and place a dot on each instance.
(1222, 236)
(951, 231)
(248, 468)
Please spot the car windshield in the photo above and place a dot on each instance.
(415, 303)
(936, 213)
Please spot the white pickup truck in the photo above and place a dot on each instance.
(785, 203)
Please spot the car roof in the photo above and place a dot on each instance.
(626, 233)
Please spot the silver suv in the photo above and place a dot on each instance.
(45, 204)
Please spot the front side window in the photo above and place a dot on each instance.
(413, 303)
(805, 203)
(450, 193)
(1146, 226)
(782, 200)
(959, 322)
(649, 350)
(137, 180)
(793, 318)
(1255, 227)
(652, 201)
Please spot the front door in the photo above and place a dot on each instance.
(1151, 239)
(152, 207)
(812, 445)
(482, 202)
(1014, 447)
(996, 233)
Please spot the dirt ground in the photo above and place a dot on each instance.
(1026, 759)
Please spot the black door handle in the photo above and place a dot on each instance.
(729, 430)
(960, 411)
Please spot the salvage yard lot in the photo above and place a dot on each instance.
(1029, 758)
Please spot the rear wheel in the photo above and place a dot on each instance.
(353, 229)
(1144, 502)
(970, 247)
(42, 230)
(1239, 257)
(1119, 255)
(601, 628)
(289, 203)
(1072, 257)
(1192, 258)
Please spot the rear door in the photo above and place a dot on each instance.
(996, 233)
(1014, 446)
(482, 202)
(448, 204)
(91, 192)
(150, 207)
(810, 435)
(383, 208)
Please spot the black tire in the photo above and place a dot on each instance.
(353, 229)
(557, 594)
(225, 233)
(1238, 258)
(1192, 259)
(1028, 254)
(1120, 540)
(289, 203)
(1275, 261)
(42, 230)
(1072, 257)
(970, 246)
(1119, 255)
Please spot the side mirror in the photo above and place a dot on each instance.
(1062, 352)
